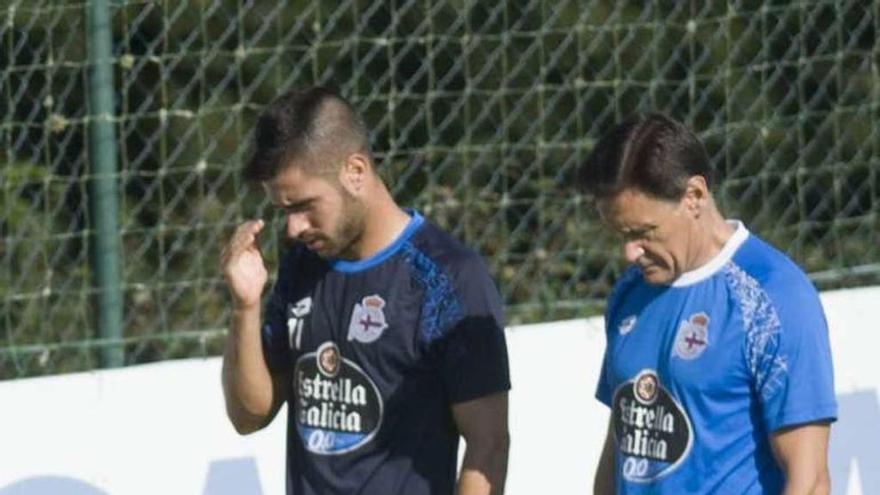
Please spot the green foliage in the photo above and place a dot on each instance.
(480, 112)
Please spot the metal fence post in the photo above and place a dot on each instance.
(103, 189)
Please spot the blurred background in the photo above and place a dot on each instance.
(123, 126)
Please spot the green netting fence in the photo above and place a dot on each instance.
(480, 112)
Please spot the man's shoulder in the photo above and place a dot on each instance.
(628, 280)
(299, 267)
(769, 267)
(444, 250)
(441, 260)
(760, 271)
(623, 293)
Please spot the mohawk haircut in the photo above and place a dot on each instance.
(313, 126)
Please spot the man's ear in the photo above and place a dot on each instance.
(354, 173)
(696, 195)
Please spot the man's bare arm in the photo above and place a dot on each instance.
(253, 396)
(483, 424)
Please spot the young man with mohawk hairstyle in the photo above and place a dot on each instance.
(384, 336)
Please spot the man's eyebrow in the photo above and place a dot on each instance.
(640, 228)
(636, 231)
(295, 206)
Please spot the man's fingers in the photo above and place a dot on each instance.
(254, 226)
(246, 234)
(244, 237)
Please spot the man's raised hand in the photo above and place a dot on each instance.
(243, 265)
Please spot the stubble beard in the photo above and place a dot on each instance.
(344, 241)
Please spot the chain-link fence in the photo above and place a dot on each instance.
(480, 111)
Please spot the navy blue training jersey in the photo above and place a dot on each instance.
(377, 351)
(698, 374)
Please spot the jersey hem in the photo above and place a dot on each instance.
(479, 394)
(825, 412)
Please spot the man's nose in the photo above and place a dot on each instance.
(297, 223)
(632, 251)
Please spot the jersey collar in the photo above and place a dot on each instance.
(726, 254)
(383, 254)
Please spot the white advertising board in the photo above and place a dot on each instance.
(161, 428)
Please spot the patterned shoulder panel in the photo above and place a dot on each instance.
(441, 307)
(762, 326)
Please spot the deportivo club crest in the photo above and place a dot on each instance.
(693, 337)
(367, 320)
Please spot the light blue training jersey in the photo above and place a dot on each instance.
(698, 373)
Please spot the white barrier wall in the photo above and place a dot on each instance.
(161, 428)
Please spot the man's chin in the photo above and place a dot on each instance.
(331, 252)
(320, 248)
(324, 252)
(657, 276)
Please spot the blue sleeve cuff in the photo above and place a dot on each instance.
(799, 416)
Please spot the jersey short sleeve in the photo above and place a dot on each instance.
(788, 354)
(604, 390)
(474, 359)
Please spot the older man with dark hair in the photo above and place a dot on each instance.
(717, 368)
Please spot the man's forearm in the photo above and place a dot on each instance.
(816, 483)
(802, 453)
(247, 383)
(603, 484)
(484, 469)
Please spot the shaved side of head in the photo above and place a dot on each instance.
(313, 127)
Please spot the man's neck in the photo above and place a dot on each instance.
(385, 222)
(713, 236)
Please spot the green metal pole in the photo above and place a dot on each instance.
(103, 188)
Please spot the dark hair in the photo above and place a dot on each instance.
(305, 124)
(651, 153)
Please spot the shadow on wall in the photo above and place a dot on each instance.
(51, 484)
(855, 441)
(232, 477)
(855, 444)
(225, 477)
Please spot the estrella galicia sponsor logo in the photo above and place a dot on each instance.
(338, 408)
(367, 320)
(652, 429)
(692, 337)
